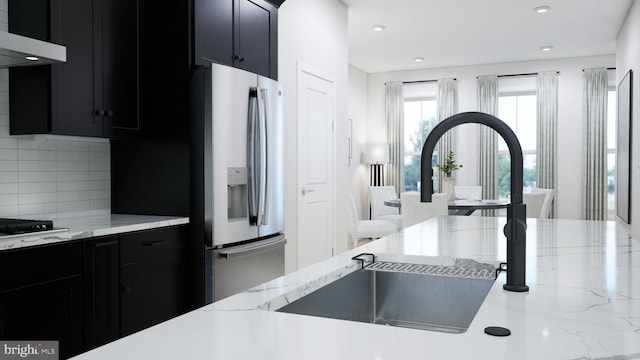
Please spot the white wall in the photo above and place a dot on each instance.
(569, 115)
(358, 171)
(313, 32)
(628, 58)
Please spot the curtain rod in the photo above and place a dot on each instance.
(611, 68)
(523, 74)
(420, 81)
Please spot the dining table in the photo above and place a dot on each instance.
(462, 206)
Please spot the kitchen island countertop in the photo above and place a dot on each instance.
(583, 303)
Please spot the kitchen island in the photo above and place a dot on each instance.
(583, 303)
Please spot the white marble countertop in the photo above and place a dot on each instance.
(81, 227)
(583, 303)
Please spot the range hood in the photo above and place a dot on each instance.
(17, 50)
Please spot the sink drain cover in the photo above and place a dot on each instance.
(497, 331)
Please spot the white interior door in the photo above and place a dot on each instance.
(316, 112)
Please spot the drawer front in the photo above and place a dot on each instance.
(39, 264)
(147, 244)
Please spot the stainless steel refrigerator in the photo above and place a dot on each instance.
(244, 178)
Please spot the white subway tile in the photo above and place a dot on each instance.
(100, 194)
(65, 206)
(72, 156)
(74, 166)
(73, 176)
(33, 209)
(9, 199)
(8, 165)
(37, 187)
(8, 154)
(36, 155)
(100, 175)
(8, 177)
(73, 185)
(72, 146)
(37, 198)
(36, 176)
(100, 147)
(100, 156)
(99, 185)
(73, 195)
(33, 142)
(28, 165)
(101, 204)
(100, 166)
(9, 188)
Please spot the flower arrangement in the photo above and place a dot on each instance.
(449, 165)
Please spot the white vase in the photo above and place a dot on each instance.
(447, 187)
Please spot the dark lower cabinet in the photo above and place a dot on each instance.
(152, 291)
(101, 291)
(41, 296)
(84, 294)
(153, 283)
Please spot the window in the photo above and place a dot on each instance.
(419, 118)
(519, 112)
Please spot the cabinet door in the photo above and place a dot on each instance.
(152, 291)
(117, 98)
(49, 311)
(101, 291)
(213, 32)
(41, 295)
(256, 37)
(73, 82)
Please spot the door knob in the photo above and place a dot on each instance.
(305, 191)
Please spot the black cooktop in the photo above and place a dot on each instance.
(19, 226)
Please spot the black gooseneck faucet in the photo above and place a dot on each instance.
(515, 229)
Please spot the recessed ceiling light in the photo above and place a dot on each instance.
(418, 59)
(32, 58)
(378, 27)
(546, 48)
(542, 9)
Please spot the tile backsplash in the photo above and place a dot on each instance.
(48, 177)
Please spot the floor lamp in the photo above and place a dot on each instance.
(377, 156)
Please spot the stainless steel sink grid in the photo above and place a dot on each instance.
(426, 297)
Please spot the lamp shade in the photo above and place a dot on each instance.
(378, 154)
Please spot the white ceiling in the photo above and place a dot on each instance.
(469, 32)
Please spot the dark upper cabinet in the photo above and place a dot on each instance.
(240, 33)
(96, 92)
(41, 295)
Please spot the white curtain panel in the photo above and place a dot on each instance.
(394, 114)
(487, 101)
(547, 126)
(447, 106)
(594, 138)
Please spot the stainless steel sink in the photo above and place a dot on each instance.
(427, 302)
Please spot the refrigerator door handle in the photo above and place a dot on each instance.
(252, 248)
(253, 156)
(263, 104)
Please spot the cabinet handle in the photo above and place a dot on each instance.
(125, 289)
(104, 244)
(110, 113)
(156, 243)
(99, 112)
(239, 58)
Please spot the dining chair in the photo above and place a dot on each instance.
(414, 211)
(380, 211)
(372, 229)
(538, 202)
(467, 192)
